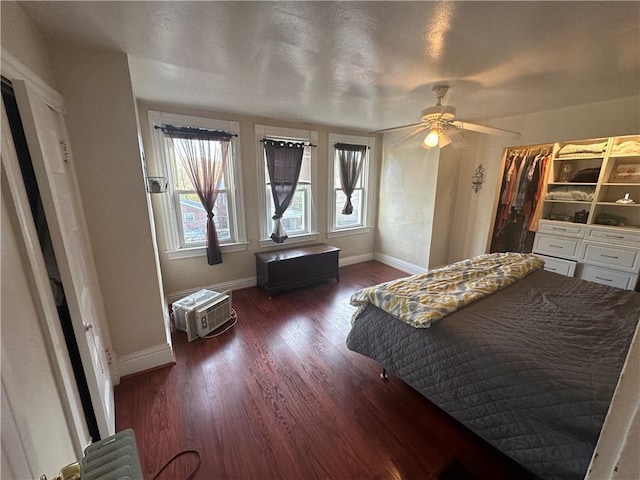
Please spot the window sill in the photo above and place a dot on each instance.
(309, 237)
(348, 231)
(202, 251)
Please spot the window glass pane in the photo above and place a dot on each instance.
(305, 169)
(353, 220)
(195, 230)
(294, 219)
(181, 178)
(194, 219)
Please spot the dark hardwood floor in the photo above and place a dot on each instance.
(280, 396)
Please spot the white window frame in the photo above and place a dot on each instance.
(264, 217)
(366, 177)
(235, 196)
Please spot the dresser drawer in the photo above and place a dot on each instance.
(565, 229)
(556, 246)
(610, 256)
(608, 277)
(617, 236)
(559, 265)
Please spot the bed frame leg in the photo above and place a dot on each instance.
(383, 374)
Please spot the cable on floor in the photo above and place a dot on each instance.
(234, 315)
(178, 455)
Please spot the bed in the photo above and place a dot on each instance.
(531, 367)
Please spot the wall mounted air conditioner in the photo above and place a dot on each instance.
(202, 312)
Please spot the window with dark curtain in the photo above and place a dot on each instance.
(284, 161)
(204, 156)
(351, 158)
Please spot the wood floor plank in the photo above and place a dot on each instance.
(280, 396)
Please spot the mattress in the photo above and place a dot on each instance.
(531, 368)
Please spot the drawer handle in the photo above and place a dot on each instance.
(605, 279)
(613, 236)
(555, 246)
(608, 256)
(559, 229)
(551, 269)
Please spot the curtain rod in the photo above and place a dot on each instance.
(306, 144)
(351, 145)
(179, 129)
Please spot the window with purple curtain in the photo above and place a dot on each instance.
(351, 159)
(203, 154)
(284, 161)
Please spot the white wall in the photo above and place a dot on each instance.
(180, 275)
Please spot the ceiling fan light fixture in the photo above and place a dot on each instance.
(432, 139)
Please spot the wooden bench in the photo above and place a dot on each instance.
(282, 270)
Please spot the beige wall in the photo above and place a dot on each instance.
(21, 39)
(408, 181)
(417, 198)
(473, 218)
(101, 120)
(180, 275)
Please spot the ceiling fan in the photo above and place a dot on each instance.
(443, 127)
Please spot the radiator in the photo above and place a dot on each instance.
(113, 458)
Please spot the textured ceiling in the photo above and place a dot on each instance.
(366, 65)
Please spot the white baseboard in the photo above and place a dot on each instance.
(399, 264)
(253, 281)
(217, 287)
(147, 359)
(343, 262)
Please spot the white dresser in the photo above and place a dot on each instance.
(607, 255)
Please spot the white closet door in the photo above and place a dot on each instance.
(50, 151)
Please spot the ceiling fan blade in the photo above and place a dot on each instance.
(393, 129)
(457, 140)
(482, 128)
(411, 134)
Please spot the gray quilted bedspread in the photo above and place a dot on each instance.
(531, 369)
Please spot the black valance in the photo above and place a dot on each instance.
(194, 132)
(349, 147)
(286, 144)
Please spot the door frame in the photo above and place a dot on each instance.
(15, 71)
(41, 292)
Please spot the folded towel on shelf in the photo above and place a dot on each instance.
(630, 147)
(571, 149)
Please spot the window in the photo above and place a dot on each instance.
(184, 217)
(299, 219)
(358, 221)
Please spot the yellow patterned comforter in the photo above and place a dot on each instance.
(420, 300)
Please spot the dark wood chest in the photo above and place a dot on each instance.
(282, 270)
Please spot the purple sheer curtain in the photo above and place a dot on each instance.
(203, 154)
(351, 158)
(284, 161)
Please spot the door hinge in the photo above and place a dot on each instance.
(65, 150)
(109, 354)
